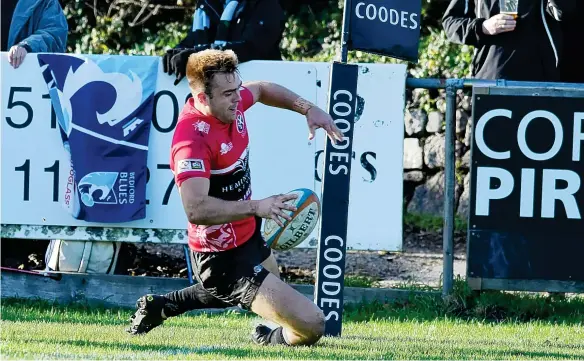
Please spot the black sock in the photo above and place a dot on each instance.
(191, 298)
(276, 337)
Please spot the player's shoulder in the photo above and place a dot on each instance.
(193, 132)
(193, 126)
(192, 123)
(247, 88)
(248, 95)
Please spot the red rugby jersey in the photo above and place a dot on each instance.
(203, 146)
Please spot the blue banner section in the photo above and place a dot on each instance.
(104, 107)
(386, 27)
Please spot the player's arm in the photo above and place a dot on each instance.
(192, 168)
(278, 96)
(275, 95)
(202, 209)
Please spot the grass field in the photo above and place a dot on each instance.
(490, 326)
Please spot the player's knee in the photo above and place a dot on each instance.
(314, 328)
(318, 327)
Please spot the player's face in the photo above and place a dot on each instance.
(225, 90)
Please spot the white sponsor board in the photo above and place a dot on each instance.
(35, 164)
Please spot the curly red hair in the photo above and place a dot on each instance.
(203, 65)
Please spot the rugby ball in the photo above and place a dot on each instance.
(302, 224)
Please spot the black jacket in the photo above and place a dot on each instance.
(572, 64)
(531, 52)
(254, 34)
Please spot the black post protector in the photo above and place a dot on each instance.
(330, 262)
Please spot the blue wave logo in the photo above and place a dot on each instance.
(104, 106)
(127, 88)
(90, 93)
(98, 188)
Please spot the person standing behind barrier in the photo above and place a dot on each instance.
(32, 26)
(572, 67)
(525, 49)
(29, 26)
(251, 28)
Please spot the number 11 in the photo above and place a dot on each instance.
(55, 170)
(52, 169)
(26, 169)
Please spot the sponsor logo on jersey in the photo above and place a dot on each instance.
(202, 126)
(225, 148)
(187, 165)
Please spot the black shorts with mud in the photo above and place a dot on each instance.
(235, 275)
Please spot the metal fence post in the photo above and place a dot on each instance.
(449, 190)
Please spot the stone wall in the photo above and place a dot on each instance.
(424, 154)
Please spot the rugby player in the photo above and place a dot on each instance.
(209, 158)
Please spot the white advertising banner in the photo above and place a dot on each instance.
(35, 165)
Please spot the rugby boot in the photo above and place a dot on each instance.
(261, 335)
(148, 314)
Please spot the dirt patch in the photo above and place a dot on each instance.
(420, 262)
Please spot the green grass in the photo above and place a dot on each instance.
(361, 281)
(432, 223)
(471, 306)
(422, 327)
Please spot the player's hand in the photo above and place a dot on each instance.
(318, 118)
(273, 207)
(500, 23)
(16, 55)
